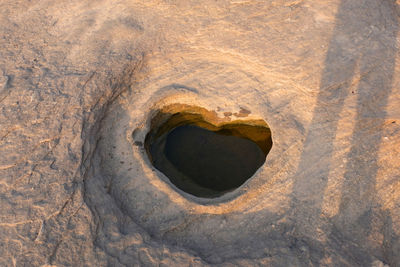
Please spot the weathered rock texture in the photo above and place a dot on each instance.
(80, 81)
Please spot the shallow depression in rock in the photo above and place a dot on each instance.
(203, 159)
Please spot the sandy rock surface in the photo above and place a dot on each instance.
(81, 80)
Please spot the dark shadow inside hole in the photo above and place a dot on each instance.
(203, 159)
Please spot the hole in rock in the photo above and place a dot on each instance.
(204, 155)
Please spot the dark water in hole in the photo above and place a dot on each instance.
(203, 163)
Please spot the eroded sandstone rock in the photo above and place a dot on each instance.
(81, 81)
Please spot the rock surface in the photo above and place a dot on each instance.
(80, 80)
